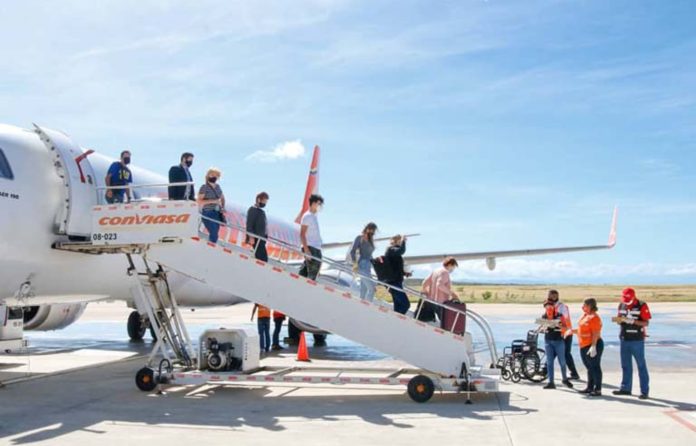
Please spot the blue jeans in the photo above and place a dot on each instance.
(555, 349)
(634, 350)
(211, 226)
(367, 287)
(277, 326)
(400, 299)
(264, 325)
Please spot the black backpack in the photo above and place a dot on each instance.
(382, 268)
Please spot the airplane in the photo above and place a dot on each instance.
(48, 186)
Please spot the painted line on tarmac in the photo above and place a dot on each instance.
(677, 416)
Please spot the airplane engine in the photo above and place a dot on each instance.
(490, 263)
(52, 317)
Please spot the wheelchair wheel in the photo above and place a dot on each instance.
(534, 366)
(516, 377)
(505, 374)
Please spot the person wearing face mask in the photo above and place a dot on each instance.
(180, 173)
(394, 258)
(553, 343)
(256, 225)
(212, 203)
(438, 287)
(633, 317)
(361, 256)
(591, 346)
(119, 175)
(310, 236)
(567, 334)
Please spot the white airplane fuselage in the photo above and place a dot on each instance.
(32, 273)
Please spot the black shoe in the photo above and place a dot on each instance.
(567, 383)
(585, 391)
(621, 392)
(550, 386)
(643, 396)
(596, 393)
(275, 348)
(575, 377)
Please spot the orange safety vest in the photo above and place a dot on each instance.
(263, 312)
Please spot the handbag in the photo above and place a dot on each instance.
(221, 215)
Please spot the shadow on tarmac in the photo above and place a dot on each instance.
(210, 407)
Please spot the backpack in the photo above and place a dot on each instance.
(382, 268)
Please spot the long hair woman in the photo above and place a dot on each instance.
(361, 256)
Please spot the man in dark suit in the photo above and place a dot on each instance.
(180, 174)
(257, 225)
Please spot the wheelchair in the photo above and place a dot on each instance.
(523, 359)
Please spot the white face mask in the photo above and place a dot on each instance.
(450, 270)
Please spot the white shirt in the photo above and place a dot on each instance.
(313, 235)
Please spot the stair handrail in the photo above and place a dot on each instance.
(478, 319)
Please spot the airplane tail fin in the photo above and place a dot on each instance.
(312, 183)
(612, 233)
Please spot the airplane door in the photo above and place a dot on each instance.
(80, 188)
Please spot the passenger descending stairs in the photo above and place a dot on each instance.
(336, 310)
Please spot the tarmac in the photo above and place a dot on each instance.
(76, 387)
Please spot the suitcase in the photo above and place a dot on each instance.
(425, 311)
(449, 316)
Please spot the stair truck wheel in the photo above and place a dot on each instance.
(421, 388)
(136, 328)
(145, 379)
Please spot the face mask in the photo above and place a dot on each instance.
(126, 160)
(212, 179)
(262, 205)
(627, 300)
(450, 270)
(320, 208)
(188, 163)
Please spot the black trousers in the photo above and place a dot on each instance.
(570, 362)
(594, 366)
(261, 253)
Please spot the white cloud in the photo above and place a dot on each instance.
(288, 150)
(682, 270)
(560, 271)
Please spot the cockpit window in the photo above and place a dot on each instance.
(5, 169)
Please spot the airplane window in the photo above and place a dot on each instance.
(5, 170)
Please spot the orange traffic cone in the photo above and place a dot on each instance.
(302, 353)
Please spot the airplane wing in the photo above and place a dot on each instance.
(490, 256)
(350, 243)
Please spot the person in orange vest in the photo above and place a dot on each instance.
(554, 343)
(263, 322)
(278, 319)
(562, 308)
(591, 346)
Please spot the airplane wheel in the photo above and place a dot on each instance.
(421, 388)
(136, 328)
(145, 379)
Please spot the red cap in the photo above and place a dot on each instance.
(629, 294)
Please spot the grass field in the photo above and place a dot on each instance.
(520, 294)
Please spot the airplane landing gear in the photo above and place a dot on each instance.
(138, 325)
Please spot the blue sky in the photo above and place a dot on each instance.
(480, 124)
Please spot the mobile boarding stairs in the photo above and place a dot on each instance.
(160, 237)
